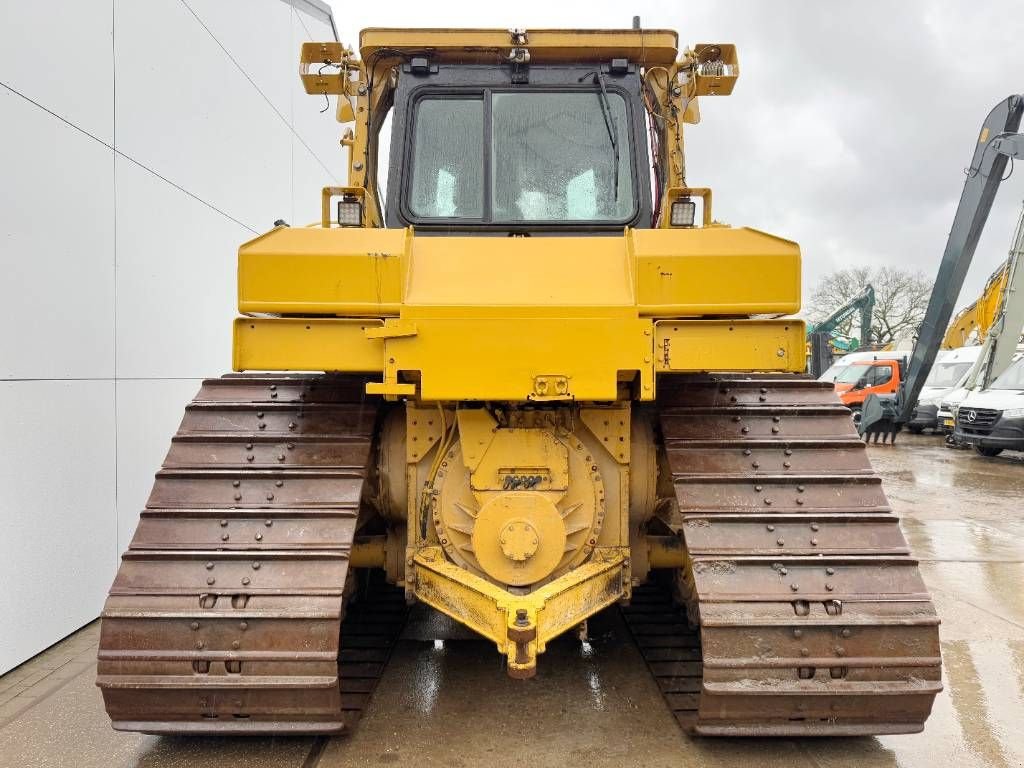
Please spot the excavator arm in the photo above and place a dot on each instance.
(864, 302)
(998, 143)
(974, 320)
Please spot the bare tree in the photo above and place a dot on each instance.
(901, 298)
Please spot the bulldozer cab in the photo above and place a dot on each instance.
(511, 151)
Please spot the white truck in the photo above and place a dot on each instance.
(992, 420)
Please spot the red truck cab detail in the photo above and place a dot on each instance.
(867, 377)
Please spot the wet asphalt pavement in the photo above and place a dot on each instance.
(449, 703)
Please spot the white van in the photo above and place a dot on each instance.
(948, 373)
(946, 414)
(992, 420)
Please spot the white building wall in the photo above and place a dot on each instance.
(163, 134)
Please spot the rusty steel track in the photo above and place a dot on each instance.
(234, 610)
(813, 617)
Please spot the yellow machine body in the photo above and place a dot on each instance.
(518, 467)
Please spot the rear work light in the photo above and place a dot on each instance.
(350, 212)
(684, 211)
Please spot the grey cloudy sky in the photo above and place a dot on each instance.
(851, 123)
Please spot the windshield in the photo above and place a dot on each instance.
(549, 157)
(947, 374)
(852, 373)
(831, 372)
(1012, 377)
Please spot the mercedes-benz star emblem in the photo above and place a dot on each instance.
(971, 416)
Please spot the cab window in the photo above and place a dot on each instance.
(880, 374)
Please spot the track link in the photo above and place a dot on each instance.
(233, 611)
(813, 617)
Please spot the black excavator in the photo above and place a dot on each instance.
(998, 145)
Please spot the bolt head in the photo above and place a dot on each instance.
(194, 625)
(211, 581)
(795, 587)
(245, 581)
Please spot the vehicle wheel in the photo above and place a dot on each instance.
(915, 429)
(989, 451)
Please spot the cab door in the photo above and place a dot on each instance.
(879, 378)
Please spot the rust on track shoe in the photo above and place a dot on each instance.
(813, 616)
(228, 613)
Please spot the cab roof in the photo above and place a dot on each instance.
(646, 47)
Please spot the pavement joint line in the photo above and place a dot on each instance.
(33, 701)
(952, 596)
(316, 751)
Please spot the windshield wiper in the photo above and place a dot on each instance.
(609, 123)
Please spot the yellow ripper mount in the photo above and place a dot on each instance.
(520, 625)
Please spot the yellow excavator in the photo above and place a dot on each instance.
(527, 379)
(971, 324)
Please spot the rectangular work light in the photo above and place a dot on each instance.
(684, 211)
(350, 211)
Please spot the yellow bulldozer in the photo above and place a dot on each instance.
(522, 379)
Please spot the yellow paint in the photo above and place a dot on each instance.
(306, 344)
(649, 47)
(690, 346)
(972, 323)
(715, 271)
(500, 358)
(542, 319)
(492, 611)
(351, 271)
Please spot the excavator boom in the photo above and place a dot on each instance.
(998, 143)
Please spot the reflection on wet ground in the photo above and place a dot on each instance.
(446, 701)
